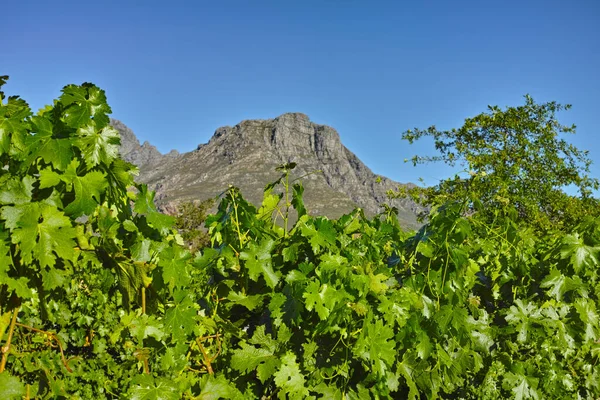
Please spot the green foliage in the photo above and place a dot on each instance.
(78, 252)
(518, 159)
(190, 223)
(99, 298)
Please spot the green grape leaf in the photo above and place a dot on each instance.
(258, 261)
(142, 250)
(59, 152)
(331, 392)
(377, 346)
(49, 178)
(17, 191)
(580, 254)
(408, 369)
(20, 286)
(13, 125)
(11, 387)
(261, 338)
(144, 201)
(250, 302)
(174, 359)
(146, 387)
(588, 314)
(130, 226)
(320, 235)
(521, 316)
(84, 102)
(321, 298)
(174, 261)
(290, 379)
(180, 319)
(426, 248)
(5, 133)
(160, 221)
(98, 146)
(133, 275)
(558, 284)
(290, 253)
(285, 307)
(453, 316)
(265, 370)
(331, 264)
(43, 143)
(522, 386)
(88, 190)
(53, 278)
(99, 105)
(424, 348)
(297, 199)
(249, 358)
(144, 204)
(218, 387)
(264, 359)
(120, 177)
(42, 126)
(269, 205)
(44, 233)
(78, 110)
(377, 283)
(144, 326)
(354, 225)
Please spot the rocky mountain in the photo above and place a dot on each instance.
(140, 155)
(246, 156)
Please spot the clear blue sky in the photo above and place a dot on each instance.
(175, 71)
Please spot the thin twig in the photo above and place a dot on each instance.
(53, 336)
(6, 348)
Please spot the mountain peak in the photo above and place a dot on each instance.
(141, 155)
(293, 116)
(247, 154)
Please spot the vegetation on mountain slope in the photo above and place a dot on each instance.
(189, 222)
(99, 298)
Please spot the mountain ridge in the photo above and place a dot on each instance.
(246, 155)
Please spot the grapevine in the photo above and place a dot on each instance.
(101, 298)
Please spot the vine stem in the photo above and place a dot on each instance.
(207, 361)
(143, 300)
(6, 348)
(53, 336)
(242, 239)
(237, 221)
(287, 203)
(145, 360)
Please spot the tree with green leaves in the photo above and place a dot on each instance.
(515, 157)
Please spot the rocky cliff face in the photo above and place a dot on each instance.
(246, 156)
